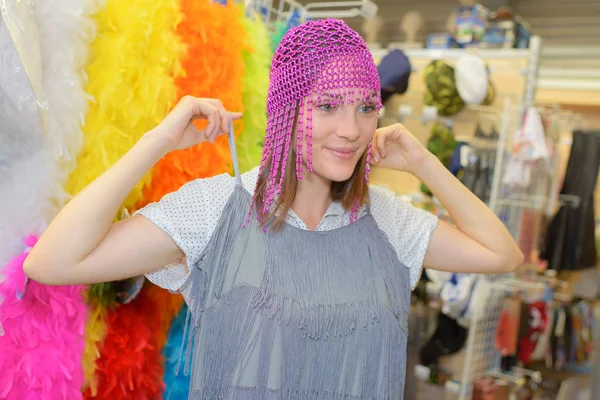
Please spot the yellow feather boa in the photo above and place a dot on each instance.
(133, 62)
(255, 85)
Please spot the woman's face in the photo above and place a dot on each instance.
(341, 133)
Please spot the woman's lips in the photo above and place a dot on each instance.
(343, 153)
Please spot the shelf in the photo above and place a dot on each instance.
(455, 53)
(567, 97)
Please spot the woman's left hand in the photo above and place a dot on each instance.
(396, 148)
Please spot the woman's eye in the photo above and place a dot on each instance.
(325, 107)
(367, 108)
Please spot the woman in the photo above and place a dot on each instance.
(297, 274)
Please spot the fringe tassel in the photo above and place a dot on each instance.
(213, 68)
(43, 341)
(255, 85)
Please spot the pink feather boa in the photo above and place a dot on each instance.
(43, 338)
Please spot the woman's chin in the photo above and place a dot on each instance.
(338, 173)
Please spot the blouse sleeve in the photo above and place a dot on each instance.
(189, 216)
(407, 227)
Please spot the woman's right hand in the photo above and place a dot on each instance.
(178, 131)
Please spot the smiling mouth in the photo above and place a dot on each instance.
(344, 154)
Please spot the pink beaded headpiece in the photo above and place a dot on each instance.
(315, 58)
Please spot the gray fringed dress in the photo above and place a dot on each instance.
(296, 314)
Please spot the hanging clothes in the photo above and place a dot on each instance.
(529, 147)
(507, 335)
(570, 238)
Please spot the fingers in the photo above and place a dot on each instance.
(375, 157)
(223, 115)
(378, 146)
(214, 111)
(381, 145)
(212, 130)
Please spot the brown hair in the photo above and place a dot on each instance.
(350, 192)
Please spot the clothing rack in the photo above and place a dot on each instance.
(484, 359)
(511, 206)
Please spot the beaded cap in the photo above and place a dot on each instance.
(313, 59)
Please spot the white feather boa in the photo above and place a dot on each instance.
(33, 176)
(67, 32)
(20, 118)
(23, 187)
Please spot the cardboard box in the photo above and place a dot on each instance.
(470, 25)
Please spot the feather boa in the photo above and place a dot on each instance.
(41, 161)
(43, 341)
(213, 68)
(177, 385)
(21, 116)
(67, 32)
(133, 89)
(24, 183)
(168, 305)
(279, 30)
(95, 332)
(255, 85)
(130, 364)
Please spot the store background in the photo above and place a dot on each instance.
(122, 357)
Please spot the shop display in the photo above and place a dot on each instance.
(474, 26)
(73, 105)
(506, 30)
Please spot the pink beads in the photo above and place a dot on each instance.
(316, 58)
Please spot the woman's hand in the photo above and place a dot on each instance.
(178, 131)
(396, 148)
(479, 243)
